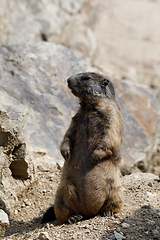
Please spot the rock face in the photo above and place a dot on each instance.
(15, 155)
(34, 76)
(140, 107)
(89, 28)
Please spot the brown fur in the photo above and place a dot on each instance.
(90, 182)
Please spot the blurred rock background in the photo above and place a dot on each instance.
(120, 38)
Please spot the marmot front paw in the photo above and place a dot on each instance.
(99, 154)
(65, 151)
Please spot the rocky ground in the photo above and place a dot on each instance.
(139, 219)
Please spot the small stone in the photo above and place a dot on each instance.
(27, 202)
(150, 184)
(151, 225)
(94, 228)
(47, 226)
(23, 205)
(43, 236)
(156, 233)
(135, 177)
(125, 225)
(16, 212)
(36, 219)
(4, 223)
(152, 222)
(83, 226)
(118, 236)
(147, 232)
(150, 195)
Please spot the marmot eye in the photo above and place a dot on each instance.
(85, 77)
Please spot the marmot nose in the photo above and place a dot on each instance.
(69, 82)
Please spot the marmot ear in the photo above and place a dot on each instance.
(105, 82)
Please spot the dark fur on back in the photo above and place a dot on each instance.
(90, 179)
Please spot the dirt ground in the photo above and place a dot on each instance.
(139, 219)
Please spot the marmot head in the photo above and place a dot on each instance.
(89, 86)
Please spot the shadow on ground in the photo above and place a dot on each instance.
(20, 227)
(144, 223)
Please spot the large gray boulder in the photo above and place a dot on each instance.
(34, 77)
(129, 50)
(140, 107)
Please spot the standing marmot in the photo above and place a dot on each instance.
(90, 182)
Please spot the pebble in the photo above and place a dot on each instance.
(135, 177)
(47, 226)
(27, 202)
(149, 194)
(118, 236)
(125, 225)
(83, 226)
(95, 228)
(156, 233)
(43, 236)
(16, 212)
(151, 222)
(150, 184)
(147, 232)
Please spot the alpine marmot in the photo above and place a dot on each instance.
(90, 183)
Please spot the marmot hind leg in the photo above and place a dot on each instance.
(66, 204)
(109, 208)
(113, 204)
